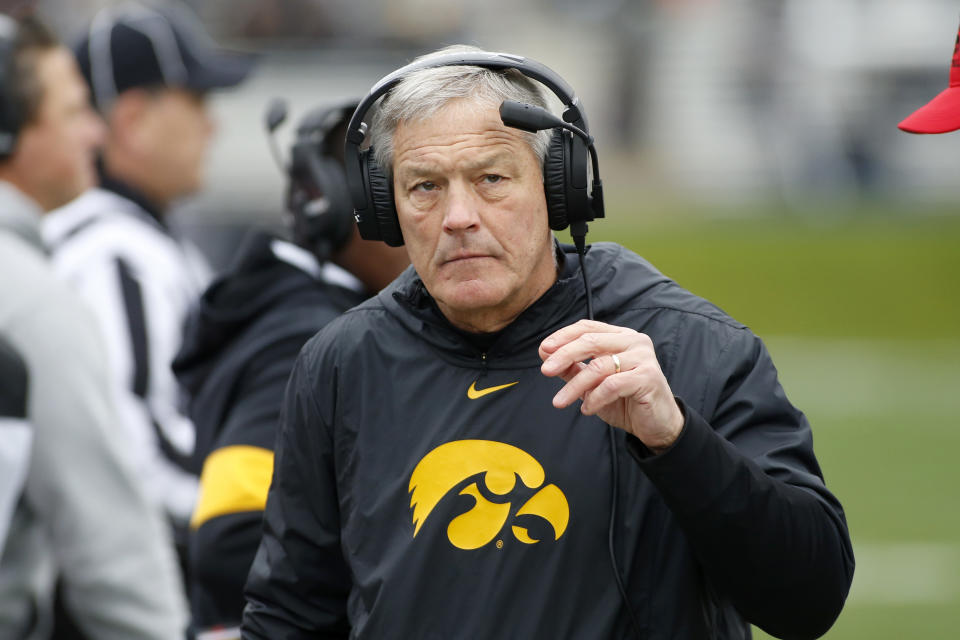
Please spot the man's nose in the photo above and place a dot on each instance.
(462, 208)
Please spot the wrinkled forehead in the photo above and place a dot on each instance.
(460, 123)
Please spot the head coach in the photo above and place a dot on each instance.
(466, 456)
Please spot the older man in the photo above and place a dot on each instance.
(465, 456)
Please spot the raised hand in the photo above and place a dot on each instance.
(615, 372)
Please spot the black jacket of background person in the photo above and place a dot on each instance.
(239, 348)
(14, 382)
(732, 524)
(15, 432)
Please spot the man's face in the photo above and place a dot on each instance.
(55, 152)
(470, 200)
(175, 133)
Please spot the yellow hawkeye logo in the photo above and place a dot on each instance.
(473, 393)
(500, 464)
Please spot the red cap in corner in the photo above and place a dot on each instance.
(942, 114)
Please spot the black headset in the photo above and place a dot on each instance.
(317, 200)
(565, 167)
(317, 195)
(11, 118)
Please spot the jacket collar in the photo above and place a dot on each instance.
(563, 303)
(620, 280)
(20, 214)
(128, 191)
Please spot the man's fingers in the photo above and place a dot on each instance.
(586, 378)
(571, 332)
(618, 364)
(635, 383)
(571, 371)
(588, 345)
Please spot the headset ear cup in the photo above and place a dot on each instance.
(335, 225)
(384, 209)
(365, 217)
(554, 181)
(575, 185)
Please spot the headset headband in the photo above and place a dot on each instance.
(357, 129)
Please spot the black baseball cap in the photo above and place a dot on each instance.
(150, 44)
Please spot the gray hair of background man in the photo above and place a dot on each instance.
(422, 93)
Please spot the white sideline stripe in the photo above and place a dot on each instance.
(905, 573)
(865, 377)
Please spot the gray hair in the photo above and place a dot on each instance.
(422, 93)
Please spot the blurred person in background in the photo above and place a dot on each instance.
(82, 516)
(239, 348)
(466, 456)
(942, 113)
(149, 68)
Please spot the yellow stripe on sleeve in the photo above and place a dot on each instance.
(234, 479)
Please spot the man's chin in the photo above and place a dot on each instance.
(469, 294)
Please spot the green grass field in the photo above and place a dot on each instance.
(862, 315)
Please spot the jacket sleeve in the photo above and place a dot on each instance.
(299, 582)
(748, 493)
(226, 524)
(112, 548)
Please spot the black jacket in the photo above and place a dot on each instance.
(239, 348)
(405, 504)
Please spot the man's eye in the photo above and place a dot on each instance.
(492, 178)
(424, 186)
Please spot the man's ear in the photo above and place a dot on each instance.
(128, 116)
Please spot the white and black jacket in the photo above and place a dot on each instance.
(425, 487)
(110, 247)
